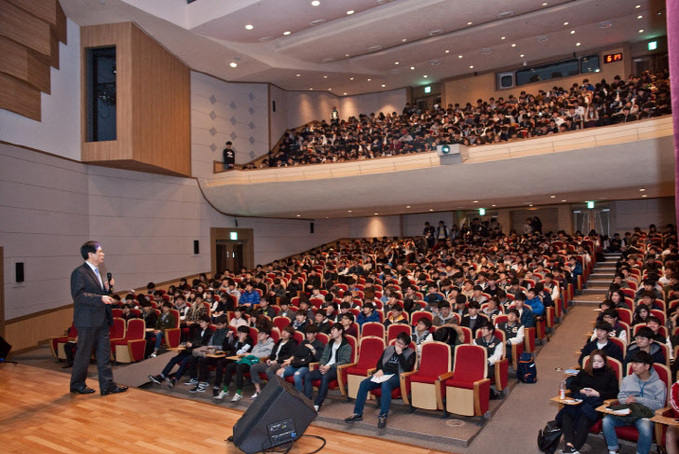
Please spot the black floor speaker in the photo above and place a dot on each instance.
(279, 415)
(4, 349)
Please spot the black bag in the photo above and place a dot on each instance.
(549, 438)
(526, 371)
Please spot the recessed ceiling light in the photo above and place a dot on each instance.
(286, 33)
(513, 44)
(431, 209)
(396, 63)
(459, 56)
(572, 32)
(469, 23)
(447, 51)
(641, 31)
(345, 93)
(315, 3)
(638, 6)
(298, 215)
(530, 205)
(565, 23)
(503, 38)
(645, 195)
(350, 12)
(249, 27)
(351, 78)
(369, 80)
(522, 55)
(233, 64)
(412, 67)
(640, 17)
(642, 189)
(545, 4)
(492, 205)
(471, 66)
(552, 197)
(404, 40)
(311, 89)
(329, 89)
(577, 44)
(298, 75)
(475, 201)
(375, 214)
(384, 85)
(425, 76)
(563, 200)
(348, 211)
(407, 206)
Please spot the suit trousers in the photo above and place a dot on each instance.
(93, 339)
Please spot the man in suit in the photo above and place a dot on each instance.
(92, 318)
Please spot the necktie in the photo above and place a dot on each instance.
(96, 271)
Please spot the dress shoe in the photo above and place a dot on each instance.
(115, 389)
(82, 390)
(67, 365)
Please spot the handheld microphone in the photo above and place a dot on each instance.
(109, 276)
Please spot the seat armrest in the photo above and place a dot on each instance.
(663, 411)
(313, 366)
(446, 376)
(370, 371)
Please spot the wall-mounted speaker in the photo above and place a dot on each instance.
(311, 227)
(196, 247)
(19, 271)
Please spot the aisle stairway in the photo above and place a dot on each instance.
(598, 282)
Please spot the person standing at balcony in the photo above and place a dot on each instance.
(229, 156)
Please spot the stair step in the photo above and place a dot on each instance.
(597, 291)
(601, 277)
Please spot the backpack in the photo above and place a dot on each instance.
(526, 370)
(549, 438)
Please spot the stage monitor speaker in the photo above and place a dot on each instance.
(4, 349)
(279, 415)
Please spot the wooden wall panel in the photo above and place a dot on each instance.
(100, 36)
(28, 332)
(24, 28)
(2, 291)
(24, 64)
(49, 11)
(19, 97)
(162, 114)
(153, 104)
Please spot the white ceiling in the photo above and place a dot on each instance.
(428, 35)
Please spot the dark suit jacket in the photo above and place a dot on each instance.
(285, 352)
(88, 308)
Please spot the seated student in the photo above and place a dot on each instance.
(395, 360)
(309, 351)
(513, 329)
(594, 384)
(648, 299)
(492, 309)
(473, 320)
(286, 311)
(305, 306)
(239, 318)
(238, 345)
(502, 299)
(263, 308)
(444, 315)
(127, 312)
(610, 316)
(201, 337)
(493, 347)
(221, 306)
(643, 341)
(336, 352)
(421, 333)
(219, 341)
(525, 312)
(601, 342)
(395, 316)
(321, 322)
(259, 351)
(477, 295)
(282, 350)
(654, 323)
(368, 314)
(331, 312)
(300, 322)
(197, 310)
(249, 297)
(165, 321)
(347, 322)
(432, 297)
(460, 307)
(645, 387)
(533, 300)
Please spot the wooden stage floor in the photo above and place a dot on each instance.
(39, 415)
